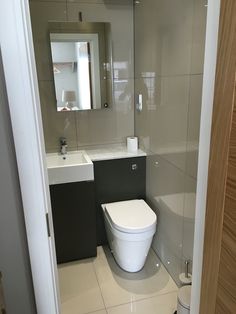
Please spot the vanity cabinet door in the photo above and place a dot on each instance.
(73, 208)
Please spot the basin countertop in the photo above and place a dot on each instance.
(78, 165)
(112, 152)
(73, 158)
(75, 166)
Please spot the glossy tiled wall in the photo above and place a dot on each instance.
(95, 127)
(169, 56)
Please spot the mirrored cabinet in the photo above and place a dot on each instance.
(81, 64)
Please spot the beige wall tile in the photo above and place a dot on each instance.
(96, 127)
(41, 13)
(107, 2)
(198, 37)
(166, 195)
(162, 124)
(46, 0)
(150, 89)
(110, 125)
(121, 18)
(169, 134)
(195, 101)
(163, 37)
(194, 114)
(56, 124)
(189, 218)
(177, 23)
(147, 39)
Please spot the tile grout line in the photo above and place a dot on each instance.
(94, 268)
(97, 311)
(141, 300)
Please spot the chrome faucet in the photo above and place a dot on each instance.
(63, 146)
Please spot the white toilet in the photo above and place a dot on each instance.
(130, 227)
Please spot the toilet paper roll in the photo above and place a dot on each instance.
(185, 281)
(132, 144)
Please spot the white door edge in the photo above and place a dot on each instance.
(204, 148)
(23, 95)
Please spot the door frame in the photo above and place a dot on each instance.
(23, 94)
(24, 104)
(211, 48)
(218, 255)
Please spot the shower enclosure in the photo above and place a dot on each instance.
(169, 58)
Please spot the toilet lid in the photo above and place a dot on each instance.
(184, 296)
(133, 216)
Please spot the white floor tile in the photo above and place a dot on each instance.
(119, 287)
(79, 289)
(163, 304)
(99, 312)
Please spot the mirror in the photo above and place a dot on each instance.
(81, 64)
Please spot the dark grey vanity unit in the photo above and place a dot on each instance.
(77, 213)
(74, 220)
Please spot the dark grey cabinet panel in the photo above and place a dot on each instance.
(74, 219)
(117, 180)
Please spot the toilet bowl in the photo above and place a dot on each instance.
(130, 227)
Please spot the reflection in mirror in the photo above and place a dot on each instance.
(81, 66)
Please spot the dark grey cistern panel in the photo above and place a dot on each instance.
(117, 180)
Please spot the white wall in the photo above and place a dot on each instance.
(14, 256)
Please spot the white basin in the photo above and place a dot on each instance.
(73, 167)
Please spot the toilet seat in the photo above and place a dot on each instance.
(133, 216)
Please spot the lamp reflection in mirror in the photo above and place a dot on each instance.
(68, 96)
